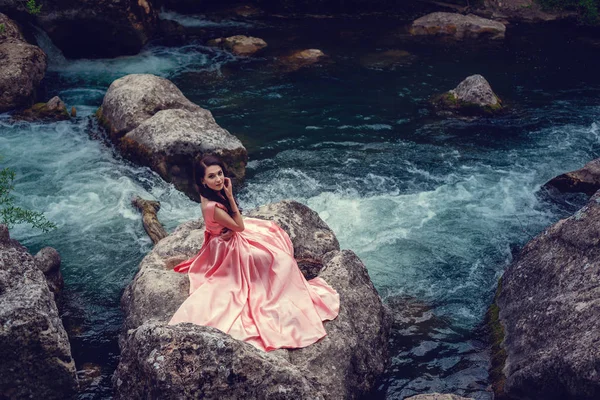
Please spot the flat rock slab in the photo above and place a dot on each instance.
(344, 364)
(457, 26)
(34, 347)
(549, 311)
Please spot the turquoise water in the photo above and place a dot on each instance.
(435, 207)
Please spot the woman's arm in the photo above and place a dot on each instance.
(234, 222)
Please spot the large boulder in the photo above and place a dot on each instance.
(98, 28)
(152, 123)
(187, 361)
(34, 347)
(546, 316)
(585, 180)
(23, 67)
(472, 96)
(457, 26)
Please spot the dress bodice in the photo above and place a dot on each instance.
(208, 213)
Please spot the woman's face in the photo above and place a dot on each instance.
(214, 178)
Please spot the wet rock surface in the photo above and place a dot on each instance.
(457, 26)
(34, 347)
(548, 304)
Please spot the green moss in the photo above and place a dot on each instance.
(497, 334)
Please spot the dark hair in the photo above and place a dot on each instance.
(204, 191)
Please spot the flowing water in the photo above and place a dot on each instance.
(435, 207)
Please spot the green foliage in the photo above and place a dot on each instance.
(33, 8)
(588, 9)
(2, 29)
(10, 214)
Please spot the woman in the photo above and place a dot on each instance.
(245, 281)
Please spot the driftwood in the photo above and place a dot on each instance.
(152, 226)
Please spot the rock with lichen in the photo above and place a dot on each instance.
(473, 96)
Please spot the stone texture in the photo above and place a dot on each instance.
(187, 361)
(473, 95)
(98, 28)
(152, 123)
(549, 308)
(34, 347)
(55, 109)
(438, 396)
(457, 26)
(519, 10)
(585, 180)
(48, 261)
(23, 68)
(240, 45)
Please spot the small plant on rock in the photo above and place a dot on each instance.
(33, 8)
(2, 29)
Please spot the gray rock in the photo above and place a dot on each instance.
(55, 109)
(11, 29)
(189, 361)
(152, 123)
(34, 347)
(520, 10)
(344, 364)
(239, 44)
(92, 28)
(457, 26)
(438, 396)
(48, 261)
(134, 98)
(23, 67)
(473, 95)
(585, 180)
(549, 313)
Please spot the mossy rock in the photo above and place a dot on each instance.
(448, 101)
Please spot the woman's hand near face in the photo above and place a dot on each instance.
(228, 188)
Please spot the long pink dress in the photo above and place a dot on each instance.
(251, 288)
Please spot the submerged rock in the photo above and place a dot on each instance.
(301, 59)
(585, 180)
(546, 318)
(55, 109)
(239, 44)
(152, 123)
(457, 26)
(23, 67)
(34, 347)
(387, 60)
(189, 361)
(474, 95)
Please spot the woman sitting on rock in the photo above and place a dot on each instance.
(245, 280)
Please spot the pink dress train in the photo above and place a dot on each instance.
(251, 288)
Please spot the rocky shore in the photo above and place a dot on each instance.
(544, 319)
